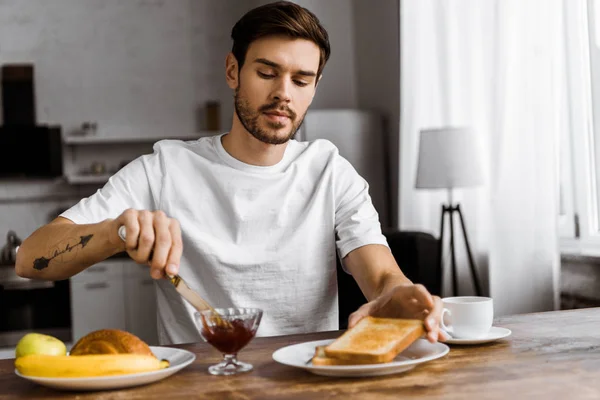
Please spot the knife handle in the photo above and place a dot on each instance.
(175, 279)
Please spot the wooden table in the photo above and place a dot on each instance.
(553, 355)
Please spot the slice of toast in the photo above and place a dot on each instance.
(320, 358)
(375, 340)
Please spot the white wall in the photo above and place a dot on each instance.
(125, 64)
(377, 41)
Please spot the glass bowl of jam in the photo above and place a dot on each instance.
(229, 330)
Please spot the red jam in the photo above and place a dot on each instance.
(229, 340)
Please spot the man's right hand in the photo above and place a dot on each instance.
(152, 238)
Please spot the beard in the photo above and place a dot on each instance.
(249, 119)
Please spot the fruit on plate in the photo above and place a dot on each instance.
(92, 365)
(110, 341)
(38, 343)
(100, 353)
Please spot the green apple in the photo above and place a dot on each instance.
(38, 343)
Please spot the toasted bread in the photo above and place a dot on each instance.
(320, 358)
(375, 340)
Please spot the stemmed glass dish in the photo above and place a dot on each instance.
(229, 338)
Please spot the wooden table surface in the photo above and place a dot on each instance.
(553, 355)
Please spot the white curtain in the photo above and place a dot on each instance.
(499, 67)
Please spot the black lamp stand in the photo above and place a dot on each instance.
(450, 210)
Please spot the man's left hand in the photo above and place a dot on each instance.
(406, 301)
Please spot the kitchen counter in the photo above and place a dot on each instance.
(553, 355)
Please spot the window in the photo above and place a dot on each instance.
(594, 141)
(580, 138)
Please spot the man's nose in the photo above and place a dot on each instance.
(282, 91)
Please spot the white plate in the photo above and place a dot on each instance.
(495, 333)
(419, 352)
(178, 359)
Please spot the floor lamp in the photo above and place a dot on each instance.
(449, 159)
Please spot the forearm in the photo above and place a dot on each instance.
(375, 270)
(60, 250)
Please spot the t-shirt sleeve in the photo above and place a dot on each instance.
(356, 220)
(136, 185)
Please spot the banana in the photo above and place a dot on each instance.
(86, 365)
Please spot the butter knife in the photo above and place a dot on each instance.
(180, 285)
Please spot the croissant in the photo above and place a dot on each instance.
(110, 341)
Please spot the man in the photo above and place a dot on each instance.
(249, 218)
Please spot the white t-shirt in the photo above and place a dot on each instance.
(253, 236)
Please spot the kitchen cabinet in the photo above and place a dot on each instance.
(140, 302)
(97, 299)
(116, 293)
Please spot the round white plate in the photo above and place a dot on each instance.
(178, 359)
(419, 352)
(495, 333)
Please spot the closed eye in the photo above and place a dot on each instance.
(265, 76)
(301, 83)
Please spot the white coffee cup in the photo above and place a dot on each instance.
(467, 317)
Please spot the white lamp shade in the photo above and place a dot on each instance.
(448, 158)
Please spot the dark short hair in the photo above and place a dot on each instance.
(279, 18)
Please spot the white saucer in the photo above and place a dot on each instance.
(495, 333)
(419, 352)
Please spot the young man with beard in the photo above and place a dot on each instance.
(251, 217)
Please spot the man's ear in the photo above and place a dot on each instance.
(231, 71)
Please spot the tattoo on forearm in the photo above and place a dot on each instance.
(43, 262)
